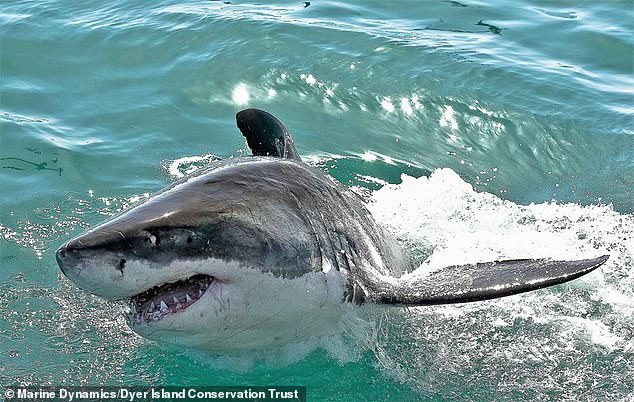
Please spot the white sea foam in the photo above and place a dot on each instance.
(186, 165)
(447, 216)
(443, 221)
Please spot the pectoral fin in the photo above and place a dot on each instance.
(482, 281)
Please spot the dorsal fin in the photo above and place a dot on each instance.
(266, 134)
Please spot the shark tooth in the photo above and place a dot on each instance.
(163, 306)
(151, 308)
(175, 300)
(179, 306)
(187, 298)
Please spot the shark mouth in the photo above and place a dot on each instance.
(169, 298)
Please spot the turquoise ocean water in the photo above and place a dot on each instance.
(475, 130)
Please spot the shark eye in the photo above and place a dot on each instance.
(189, 239)
(155, 239)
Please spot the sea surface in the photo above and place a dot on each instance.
(475, 130)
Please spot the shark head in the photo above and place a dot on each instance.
(222, 261)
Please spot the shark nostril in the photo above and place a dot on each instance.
(121, 264)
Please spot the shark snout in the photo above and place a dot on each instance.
(60, 256)
(95, 269)
(68, 257)
(98, 247)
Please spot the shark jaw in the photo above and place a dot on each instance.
(171, 298)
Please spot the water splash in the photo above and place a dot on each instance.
(187, 165)
(557, 342)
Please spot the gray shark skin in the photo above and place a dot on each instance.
(256, 252)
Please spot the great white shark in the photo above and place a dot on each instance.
(260, 251)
